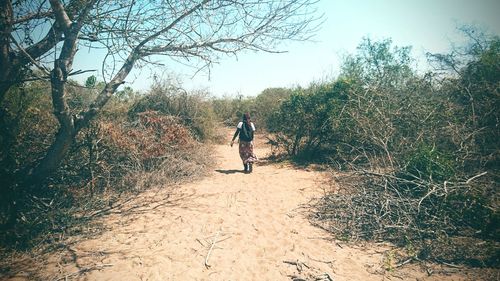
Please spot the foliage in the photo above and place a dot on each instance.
(25, 120)
(261, 108)
(268, 102)
(428, 163)
(230, 110)
(307, 123)
(423, 148)
(193, 109)
(114, 154)
(121, 152)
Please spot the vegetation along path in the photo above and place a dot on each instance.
(228, 226)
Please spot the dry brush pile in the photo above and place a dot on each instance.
(450, 222)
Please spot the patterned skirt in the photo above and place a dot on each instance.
(246, 152)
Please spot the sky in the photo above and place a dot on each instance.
(426, 25)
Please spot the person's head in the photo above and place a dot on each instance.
(246, 117)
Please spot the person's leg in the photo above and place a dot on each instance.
(245, 167)
(250, 167)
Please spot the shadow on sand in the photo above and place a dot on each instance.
(128, 210)
(227, 172)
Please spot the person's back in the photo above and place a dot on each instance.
(245, 129)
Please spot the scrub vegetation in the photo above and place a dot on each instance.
(152, 139)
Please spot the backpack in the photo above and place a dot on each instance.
(246, 133)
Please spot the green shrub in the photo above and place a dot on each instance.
(309, 123)
(267, 104)
(427, 162)
(229, 110)
(194, 109)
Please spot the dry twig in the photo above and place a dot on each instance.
(83, 270)
(210, 250)
(298, 264)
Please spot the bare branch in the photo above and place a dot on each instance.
(32, 60)
(32, 16)
(61, 15)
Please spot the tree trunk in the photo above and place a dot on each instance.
(296, 143)
(5, 31)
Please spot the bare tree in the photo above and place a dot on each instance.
(21, 25)
(194, 32)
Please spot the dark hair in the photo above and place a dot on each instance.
(246, 119)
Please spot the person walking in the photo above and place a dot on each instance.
(245, 129)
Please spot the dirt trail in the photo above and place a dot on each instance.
(260, 233)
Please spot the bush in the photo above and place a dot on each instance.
(267, 103)
(424, 150)
(428, 163)
(193, 109)
(120, 153)
(230, 110)
(309, 123)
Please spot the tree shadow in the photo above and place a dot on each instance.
(128, 209)
(227, 172)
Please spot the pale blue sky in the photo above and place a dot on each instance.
(427, 25)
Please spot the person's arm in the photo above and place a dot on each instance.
(235, 135)
(253, 131)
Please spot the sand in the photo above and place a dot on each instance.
(227, 226)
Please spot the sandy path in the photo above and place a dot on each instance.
(254, 218)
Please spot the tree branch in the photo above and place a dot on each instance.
(61, 15)
(33, 16)
(5, 31)
(33, 61)
(172, 24)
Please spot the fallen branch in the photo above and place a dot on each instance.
(323, 277)
(201, 243)
(451, 264)
(223, 239)
(475, 177)
(323, 261)
(210, 250)
(298, 264)
(426, 213)
(404, 262)
(83, 270)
